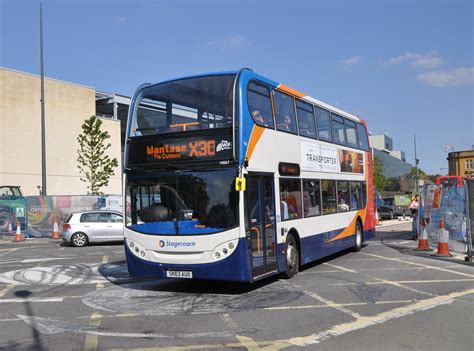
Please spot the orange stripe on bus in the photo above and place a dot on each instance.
(257, 132)
(289, 90)
(350, 229)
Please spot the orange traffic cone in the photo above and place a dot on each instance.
(443, 239)
(10, 229)
(55, 234)
(423, 244)
(18, 236)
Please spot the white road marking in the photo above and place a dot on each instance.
(35, 260)
(388, 282)
(374, 270)
(364, 322)
(337, 306)
(33, 299)
(341, 268)
(49, 326)
(420, 264)
(341, 305)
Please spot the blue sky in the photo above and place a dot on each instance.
(404, 66)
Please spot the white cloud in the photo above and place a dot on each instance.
(429, 60)
(448, 78)
(232, 42)
(351, 61)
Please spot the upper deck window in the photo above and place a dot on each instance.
(285, 112)
(338, 130)
(324, 124)
(183, 105)
(306, 123)
(363, 140)
(260, 106)
(351, 134)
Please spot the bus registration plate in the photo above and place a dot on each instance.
(179, 274)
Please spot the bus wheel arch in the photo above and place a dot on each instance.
(292, 254)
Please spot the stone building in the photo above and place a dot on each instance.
(67, 105)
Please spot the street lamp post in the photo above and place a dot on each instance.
(417, 161)
(43, 134)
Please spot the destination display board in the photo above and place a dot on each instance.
(156, 150)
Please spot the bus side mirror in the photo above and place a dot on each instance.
(240, 184)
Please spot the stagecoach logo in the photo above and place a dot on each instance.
(175, 244)
(224, 145)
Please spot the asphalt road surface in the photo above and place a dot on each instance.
(64, 298)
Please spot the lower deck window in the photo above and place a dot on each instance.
(329, 196)
(290, 198)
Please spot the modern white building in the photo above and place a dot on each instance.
(394, 160)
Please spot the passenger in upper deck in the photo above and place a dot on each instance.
(259, 119)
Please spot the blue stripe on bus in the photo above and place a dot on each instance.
(237, 266)
(233, 268)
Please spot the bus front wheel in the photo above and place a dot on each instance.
(292, 258)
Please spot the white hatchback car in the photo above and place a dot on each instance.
(82, 228)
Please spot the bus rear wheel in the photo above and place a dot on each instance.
(291, 258)
(358, 237)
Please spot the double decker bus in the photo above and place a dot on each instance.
(233, 176)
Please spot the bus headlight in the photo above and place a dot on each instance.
(224, 250)
(137, 249)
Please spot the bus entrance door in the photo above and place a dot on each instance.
(260, 223)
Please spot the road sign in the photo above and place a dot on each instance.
(20, 212)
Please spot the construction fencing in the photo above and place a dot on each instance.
(448, 202)
(36, 214)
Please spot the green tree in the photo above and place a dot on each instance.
(95, 165)
(381, 182)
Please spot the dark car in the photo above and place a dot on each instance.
(384, 210)
(399, 208)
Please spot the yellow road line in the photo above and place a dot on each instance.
(7, 289)
(105, 260)
(92, 341)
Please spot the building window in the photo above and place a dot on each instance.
(469, 164)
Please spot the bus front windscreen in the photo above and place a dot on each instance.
(197, 103)
(182, 202)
